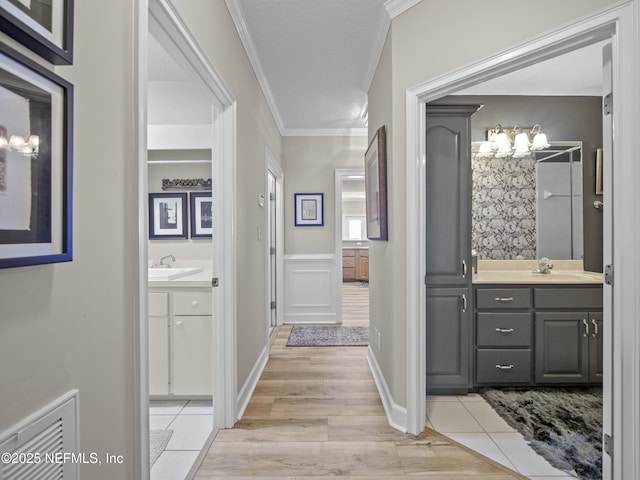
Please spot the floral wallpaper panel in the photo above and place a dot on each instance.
(504, 208)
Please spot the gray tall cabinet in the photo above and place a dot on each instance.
(448, 270)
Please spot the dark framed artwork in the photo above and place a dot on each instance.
(44, 26)
(309, 209)
(36, 163)
(201, 214)
(167, 216)
(375, 172)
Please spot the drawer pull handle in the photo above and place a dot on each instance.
(504, 330)
(595, 328)
(504, 367)
(504, 299)
(194, 303)
(586, 327)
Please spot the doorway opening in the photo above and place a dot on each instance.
(214, 322)
(603, 25)
(352, 247)
(274, 244)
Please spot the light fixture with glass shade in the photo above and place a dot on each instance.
(499, 144)
(17, 143)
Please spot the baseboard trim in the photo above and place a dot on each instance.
(252, 381)
(396, 414)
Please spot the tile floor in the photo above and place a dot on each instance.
(469, 420)
(192, 423)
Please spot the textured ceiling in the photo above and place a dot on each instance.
(315, 60)
(317, 57)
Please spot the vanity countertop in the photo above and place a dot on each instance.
(524, 277)
(198, 279)
(521, 272)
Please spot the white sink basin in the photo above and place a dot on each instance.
(171, 273)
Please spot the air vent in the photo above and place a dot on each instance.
(35, 446)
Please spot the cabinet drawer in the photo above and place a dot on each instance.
(349, 252)
(503, 330)
(192, 303)
(158, 304)
(497, 366)
(584, 298)
(495, 298)
(349, 273)
(348, 262)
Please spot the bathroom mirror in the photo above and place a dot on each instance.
(529, 207)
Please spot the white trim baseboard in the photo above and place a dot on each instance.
(396, 414)
(252, 381)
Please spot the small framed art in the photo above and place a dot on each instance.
(201, 214)
(309, 209)
(167, 216)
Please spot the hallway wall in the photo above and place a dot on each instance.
(310, 164)
(66, 326)
(211, 25)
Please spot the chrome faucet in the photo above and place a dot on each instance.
(544, 266)
(161, 264)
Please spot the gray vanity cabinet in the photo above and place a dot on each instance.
(538, 335)
(568, 335)
(569, 347)
(448, 247)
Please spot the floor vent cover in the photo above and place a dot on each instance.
(42, 446)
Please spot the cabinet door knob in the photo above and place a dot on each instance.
(504, 330)
(194, 303)
(179, 323)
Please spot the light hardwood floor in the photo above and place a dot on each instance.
(316, 413)
(355, 304)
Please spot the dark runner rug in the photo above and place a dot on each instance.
(328, 336)
(563, 425)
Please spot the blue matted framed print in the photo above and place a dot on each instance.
(309, 209)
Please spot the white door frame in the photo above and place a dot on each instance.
(340, 175)
(620, 24)
(161, 18)
(271, 165)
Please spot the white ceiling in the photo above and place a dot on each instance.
(315, 60)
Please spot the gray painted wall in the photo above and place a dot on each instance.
(563, 119)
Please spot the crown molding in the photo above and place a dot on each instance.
(384, 22)
(398, 7)
(247, 41)
(325, 132)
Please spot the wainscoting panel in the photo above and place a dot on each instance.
(311, 289)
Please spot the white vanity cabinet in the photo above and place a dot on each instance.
(180, 333)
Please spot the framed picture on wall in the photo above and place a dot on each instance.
(309, 209)
(167, 216)
(375, 172)
(36, 163)
(44, 26)
(201, 214)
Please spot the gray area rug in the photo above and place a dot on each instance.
(158, 440)
(328, 336)
(562, 425)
